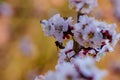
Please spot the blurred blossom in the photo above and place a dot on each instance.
(5, 9)
(5, 14)
(116, 5)
(83, 6)
(115, 68)
(79, 69)
(26, 46)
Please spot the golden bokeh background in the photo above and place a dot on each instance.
(26, 52)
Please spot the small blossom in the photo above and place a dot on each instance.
(57, 26)
(115, 68)
(84, 6)
(67, 53)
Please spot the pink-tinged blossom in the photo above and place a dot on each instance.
(95, 37)
(57, 27)
(83, 6)
(78, 69)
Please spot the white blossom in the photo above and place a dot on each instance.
(66, 53)
(56, 26)
(84, 6)
(88, 68)
(78, 69)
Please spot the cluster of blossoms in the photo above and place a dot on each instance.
(89, 40)
(78, 69)
(94, 37)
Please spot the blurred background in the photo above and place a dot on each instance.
(26, 52)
